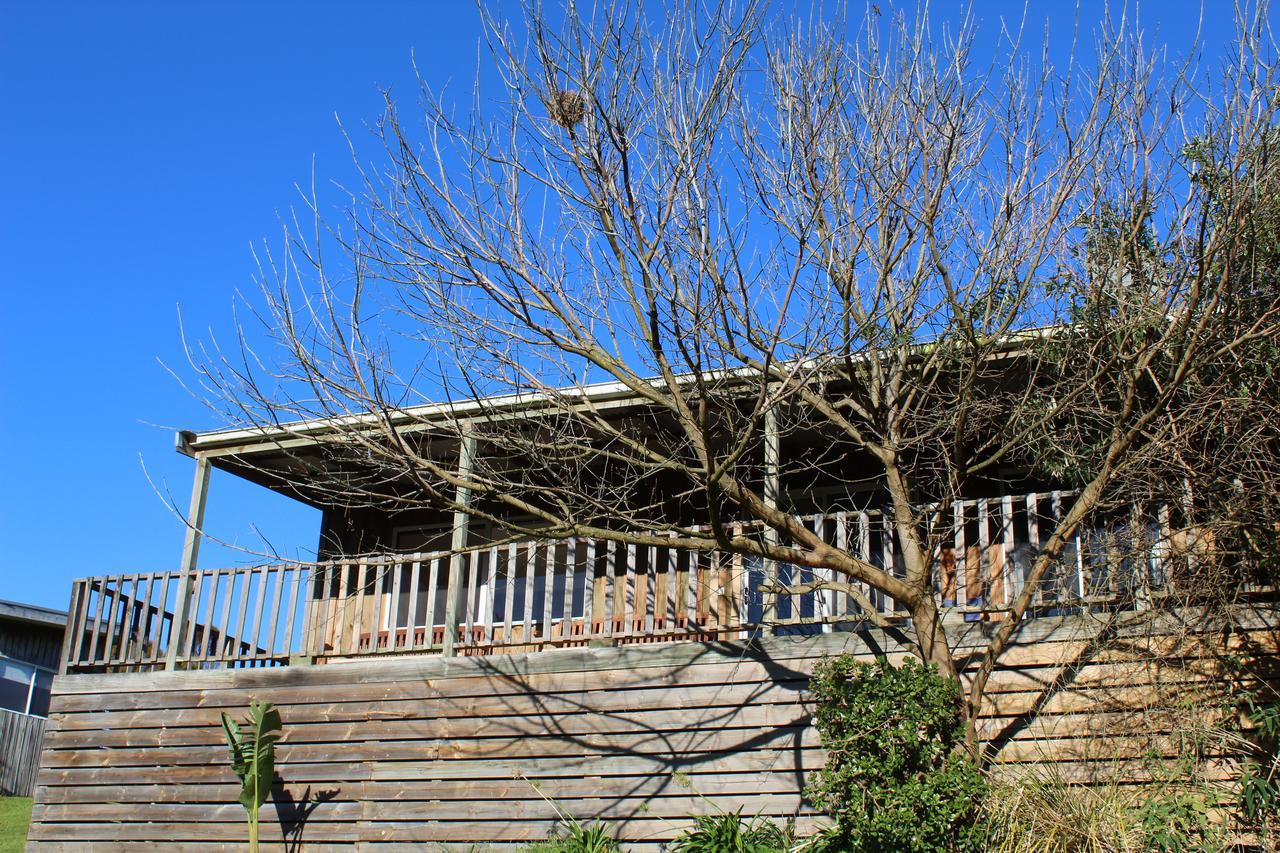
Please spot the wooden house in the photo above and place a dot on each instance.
(444, 683)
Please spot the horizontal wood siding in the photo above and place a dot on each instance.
(402, 753)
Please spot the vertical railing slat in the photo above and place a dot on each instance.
(75, 626)
(192, 608)
(128, 618)
(237, 636)
(392, 572)
(841, 599)
(116, 596)
(223, 626)
(509, 596)
(1012, 581)
(548, 587)
(433, 584)
(566, 600)
(530, 588)
(589, 589)
(259, 599)
(297, 571)
(273, 612)
(651, 591)
(362, 596)
(827, 596)
(1033, 540)
(471, 562)
(209, 649)
(886, 552)
(672, 589)
(984, 555)
(610, 580)
(411, 618)
(1165, 546)
(864, 553)
(630, 579)
(96, 588)
(162, 608)
(691, 591)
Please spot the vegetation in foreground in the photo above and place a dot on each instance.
(15, 815)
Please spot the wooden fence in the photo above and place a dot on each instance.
(519, 596)
(412, 753)
(21, 736)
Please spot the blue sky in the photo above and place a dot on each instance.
(143, 148)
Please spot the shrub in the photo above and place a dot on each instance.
(579, 838)
(897, 776)
(729, 833)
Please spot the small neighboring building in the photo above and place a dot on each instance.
(30, 645)
(30, 642)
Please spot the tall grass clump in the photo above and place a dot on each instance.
(729, 832)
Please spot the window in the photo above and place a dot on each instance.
(25, 688)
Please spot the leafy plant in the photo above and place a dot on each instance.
(579, 838)
(897, 776)
(730, 833)
(1176, 822)
(253, 758)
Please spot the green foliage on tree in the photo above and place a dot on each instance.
(897, 775)
(253, 758)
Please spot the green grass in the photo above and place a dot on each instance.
(15, 814)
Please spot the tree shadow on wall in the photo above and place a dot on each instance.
(658, 724)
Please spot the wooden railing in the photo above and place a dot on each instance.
(522, 596)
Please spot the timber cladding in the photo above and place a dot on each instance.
(419, 753)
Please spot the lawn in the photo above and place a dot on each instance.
(15, 814)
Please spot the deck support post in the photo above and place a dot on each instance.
(457, 562)
(772, 492)
(190, 553)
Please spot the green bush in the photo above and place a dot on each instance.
(896, 777)
(729, 833)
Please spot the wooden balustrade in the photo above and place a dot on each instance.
(522, 596)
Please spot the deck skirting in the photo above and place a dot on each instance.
(411, 753)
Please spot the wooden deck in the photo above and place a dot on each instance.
(410, 753)
(516, 597)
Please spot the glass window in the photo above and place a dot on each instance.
(40, 695)
(15, 684)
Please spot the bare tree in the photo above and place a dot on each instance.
(923, 264)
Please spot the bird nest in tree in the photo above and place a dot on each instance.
(567, 108)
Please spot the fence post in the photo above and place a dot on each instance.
(190, 553)
(461, 519)
(71, 635)
(772, 492)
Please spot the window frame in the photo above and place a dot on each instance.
(33, 670)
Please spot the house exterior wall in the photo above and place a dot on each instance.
(398, 754)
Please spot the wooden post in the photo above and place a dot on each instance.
(772, 492)
(70, 639)
(190, 553)
(461, 521)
